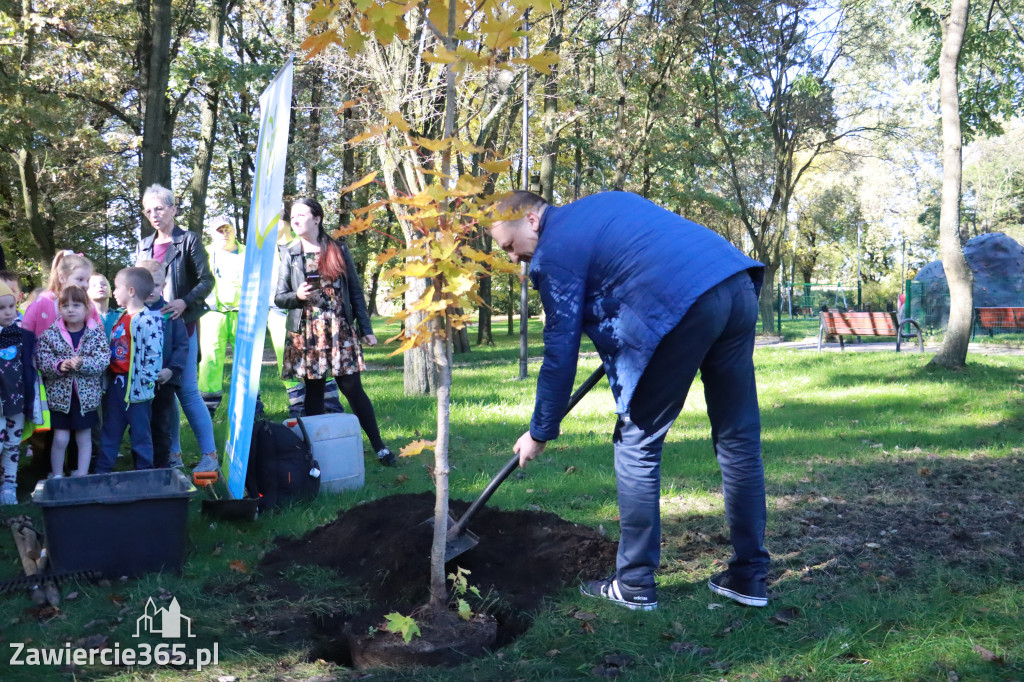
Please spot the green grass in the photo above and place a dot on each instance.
(895, 524)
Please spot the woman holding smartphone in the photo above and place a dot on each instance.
(318, 285)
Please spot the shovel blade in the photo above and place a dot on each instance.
(456, 544)
(463, 542)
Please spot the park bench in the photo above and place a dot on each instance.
(842, 324)
(992, 318)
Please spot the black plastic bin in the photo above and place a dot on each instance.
(122, 524)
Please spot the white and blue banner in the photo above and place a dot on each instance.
(257, 287)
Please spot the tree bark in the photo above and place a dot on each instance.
(619, 143)
(460, 337)
(953, 353)
(511, 304)
(484, 334)
(40, 227)
(208, 125)
(156, 166)
(290, 184)
(549, 147)
(316, 96)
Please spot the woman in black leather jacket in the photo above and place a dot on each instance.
(318, 285)
(189, 281)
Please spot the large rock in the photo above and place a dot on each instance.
(998, 265)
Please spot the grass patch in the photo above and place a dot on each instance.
(895, 524)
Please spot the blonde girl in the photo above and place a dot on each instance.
(72, 355)
(68, 269)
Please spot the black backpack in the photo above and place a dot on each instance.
(281, 466)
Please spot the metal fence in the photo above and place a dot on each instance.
(928, 301)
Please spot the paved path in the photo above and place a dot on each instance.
(929, 348)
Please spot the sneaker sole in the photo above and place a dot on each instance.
(737, 597)
(629, 605)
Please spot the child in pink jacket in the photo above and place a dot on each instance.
(72, 355)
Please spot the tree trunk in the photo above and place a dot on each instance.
(443, 352)
(549, 147)
(290, 187)
(420, 376)
(316, 96)
(40, 227)
(484, 334)
(511, 303)
(246, 166)
(953, 353)
(766, 302)
(156, 168)
(371, 302)
(208, 125)
(460, 337)
(348, 168)
(619, 144)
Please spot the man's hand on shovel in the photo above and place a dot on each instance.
(527, 448)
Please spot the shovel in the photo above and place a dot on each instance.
(228, 510)
(459, 538)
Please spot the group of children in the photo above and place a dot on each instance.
(125, 363)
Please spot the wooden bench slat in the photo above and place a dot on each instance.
(868, 324)
(860, 324)
(1000, 317)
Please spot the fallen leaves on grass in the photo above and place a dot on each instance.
(736, 624)
(690, 647)
(416, 447)
(238, 566)
(97, 642)
(785, 616)
(612, 666)
(988, 656)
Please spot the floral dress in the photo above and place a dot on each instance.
(326, 343)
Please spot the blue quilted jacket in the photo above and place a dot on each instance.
(623, 271)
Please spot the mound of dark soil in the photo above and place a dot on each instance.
(383, 546)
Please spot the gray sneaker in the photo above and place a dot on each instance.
(206, 463)
(174, 462)
(8, 495)
(633, 598)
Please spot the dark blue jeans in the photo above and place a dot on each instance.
(162, 414)
(116, 416)
(716, 336)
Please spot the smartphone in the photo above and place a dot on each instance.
(313, 280)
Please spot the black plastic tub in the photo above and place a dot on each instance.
(122, 524)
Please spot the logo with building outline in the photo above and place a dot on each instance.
(167, 622)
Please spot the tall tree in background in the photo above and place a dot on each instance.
(769, 83)
(216, 75)
(154, 52)
(953, 353)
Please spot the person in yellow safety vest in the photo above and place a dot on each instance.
(217, 328)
